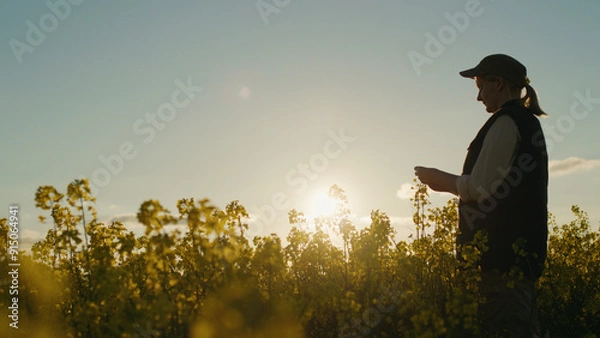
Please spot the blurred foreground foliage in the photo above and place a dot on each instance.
(206, 279)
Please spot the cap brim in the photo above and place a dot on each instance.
(469, 73)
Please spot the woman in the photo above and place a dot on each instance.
(503, 193)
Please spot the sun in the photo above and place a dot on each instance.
(322, 205)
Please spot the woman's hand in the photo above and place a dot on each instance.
(436, 179)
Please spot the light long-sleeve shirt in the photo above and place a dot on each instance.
(494, 161)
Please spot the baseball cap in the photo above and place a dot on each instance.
(499, 65)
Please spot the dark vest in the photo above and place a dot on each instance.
(517, 213)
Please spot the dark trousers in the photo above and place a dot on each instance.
(508, 306)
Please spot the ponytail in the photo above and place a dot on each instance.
(530, 100)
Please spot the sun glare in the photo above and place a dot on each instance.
(322, 205)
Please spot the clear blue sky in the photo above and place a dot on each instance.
(269, 84)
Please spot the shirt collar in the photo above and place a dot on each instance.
(509, 103)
